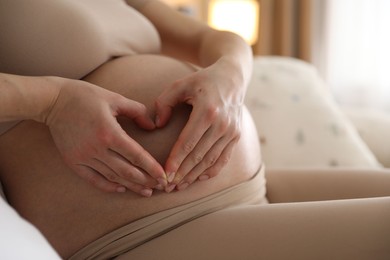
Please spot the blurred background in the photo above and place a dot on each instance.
(346, 40)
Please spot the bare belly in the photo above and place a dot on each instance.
(70, 212)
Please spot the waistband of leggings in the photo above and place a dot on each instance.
(251, 192)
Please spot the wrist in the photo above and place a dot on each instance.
(26, 97)
(230, 50)
(236, 76)
(50, 88)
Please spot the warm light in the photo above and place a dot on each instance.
(238, 16)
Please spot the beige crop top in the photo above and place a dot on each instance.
(70, 38)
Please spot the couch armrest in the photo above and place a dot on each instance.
(373, 127)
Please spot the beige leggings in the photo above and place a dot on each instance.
(346, 228)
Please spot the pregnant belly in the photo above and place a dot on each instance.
(69, 211)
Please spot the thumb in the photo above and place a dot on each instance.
(137, 112)
(165, 103)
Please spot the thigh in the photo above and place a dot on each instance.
(298, 185)
(343, 229)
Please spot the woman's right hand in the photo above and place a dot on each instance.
(83, 124)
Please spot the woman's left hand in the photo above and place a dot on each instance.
(206, 142)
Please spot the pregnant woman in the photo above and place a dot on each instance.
(124, 135)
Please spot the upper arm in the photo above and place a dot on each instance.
(181, 35)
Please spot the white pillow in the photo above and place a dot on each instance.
(19, 239)
(298, 122)
(1, 191)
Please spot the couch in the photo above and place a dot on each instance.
(299, 125)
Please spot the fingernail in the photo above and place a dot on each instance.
(146, 192)
(170, 188)
(163, 182)
(171, 176)
(204, 177)
(159, 187)
(121, 189)
(183, 186)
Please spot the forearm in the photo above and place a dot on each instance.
(218, 46)
(26, 97)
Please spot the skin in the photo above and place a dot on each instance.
(101, 153)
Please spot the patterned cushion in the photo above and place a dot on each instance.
(298, 122)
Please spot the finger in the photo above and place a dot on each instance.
(188, 139)
(166, 101)
(137, 112)
(208, 140)
(140, 189)
(220, 163)
(211, 158)
(124, 170)
(163, 114)
(139, 157)
(98, 181)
